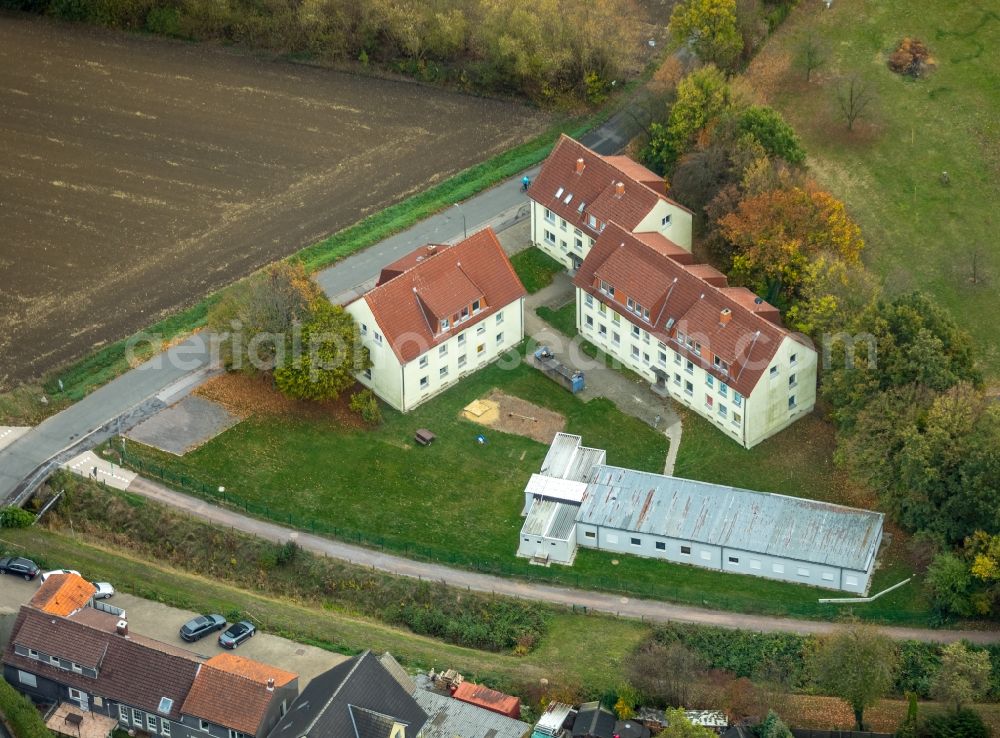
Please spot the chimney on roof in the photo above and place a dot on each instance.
(431, 249)
(579, 165)
(725, 316)
(619, 189)
(270, 684)
(121, 627)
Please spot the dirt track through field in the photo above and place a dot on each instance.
(138, 174)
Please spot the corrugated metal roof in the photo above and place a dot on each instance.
(555, 488)
(761, 522)
(551, 519)
(567, 459)
(449, 717)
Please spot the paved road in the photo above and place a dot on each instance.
(133, 396)
(645, 609)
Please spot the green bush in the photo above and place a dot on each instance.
(15, 517)
(965, 723)
(772, 132)
(22, 716)
(366, 405)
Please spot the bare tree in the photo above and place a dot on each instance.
(810, 55)
(665, 674)
(854, 96)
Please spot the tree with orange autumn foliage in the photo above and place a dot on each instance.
(776, 234)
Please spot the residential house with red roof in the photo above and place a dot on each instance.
(719, 350)
(436, 315)
(578, 193)
(65, 650)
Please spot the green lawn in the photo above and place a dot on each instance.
(377, 487)
(562, 319)
(535, 268)
(920, 232)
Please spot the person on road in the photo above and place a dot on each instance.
(525, 183)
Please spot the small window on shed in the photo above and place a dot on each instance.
(802, 571)
(851, 580)
(686, 550)
(827, 576)
(589, 534)
(661, 546)
(636, 541)
(778, 568)
(734, 559)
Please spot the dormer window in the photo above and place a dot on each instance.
(463, 315)
(475, 306)
(607, 288)
(592, 221)
(445, 325)
(559, 192)
(680, 337)
(722, 366)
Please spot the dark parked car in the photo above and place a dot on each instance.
(19, 567)
(236, 633)
(201, 626)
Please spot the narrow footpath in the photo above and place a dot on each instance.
(646, 610)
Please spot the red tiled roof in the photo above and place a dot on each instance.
(409, 261)
(490, 699)
(596, 187)
(660, 243)
(232, 691)
(680, 296)
(62, 594)
(409, 306)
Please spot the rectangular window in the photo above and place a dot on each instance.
(737, 418)
(734, 559)
(32, 653)
(562, 224)
(677, 358)
(589, 321)
(697, 348)
(443, 349)
(54, 660)
(661, 546)
(721, 365)
(378, 337)
(774, 372)
(802, 571)
(645, 357)
(367, 373)
(689, 388)
(165, 727)
(461, 361)
(463, 314)
(665, 221)
(550, 216)
(203, 725)
(754, 564)
(737, 398)
(709, 401)
(607, 288)
(709, 380)
(635, 541)
(443, 372)
(791, 380)
(151, 723)
(75, 694)
(123, 713)
(364, 329)
(461, 339)
(723, 411)
(791, 402)
(689, 367)
(550, 237)
(850, 580)
(589, 534)
(616, 338)
(29, 680)
(635, 352)
(499, 338)
(635, 331)
(137, 717)
(677, 378)
(578, 244)
(592, 221)
(445, 325)
(792, 359)
(423, 362)
(76, 667)
(476, 306)
(481, 329)
(616, 318)
(425, 382)
(778, 568)
(663, 358)
(827, 576)
(480, 349)
(602, 330)
(562, 244)
(500, 317)
(588, 300)
(686, 550)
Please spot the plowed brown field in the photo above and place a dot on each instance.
(137, 174)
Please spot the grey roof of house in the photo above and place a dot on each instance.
(593, 721)
(354, 699)
(713, 514)
(551, 518)
(567, 459)
(448, 717)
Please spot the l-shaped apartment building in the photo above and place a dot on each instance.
(721, 351)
